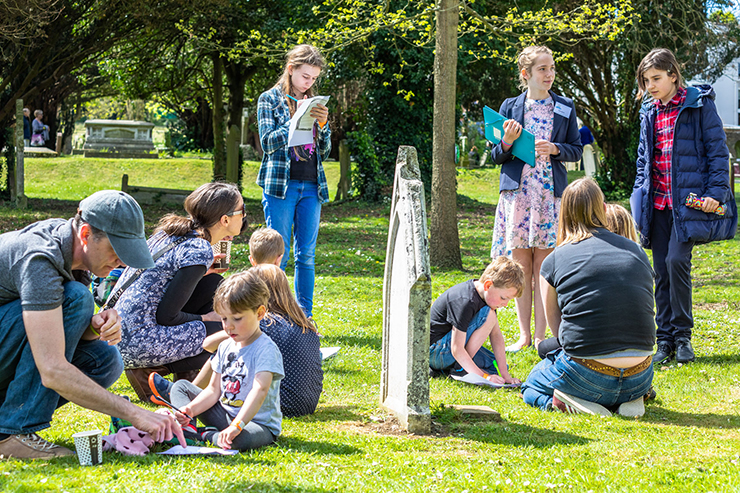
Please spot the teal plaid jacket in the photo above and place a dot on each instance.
(273, 119)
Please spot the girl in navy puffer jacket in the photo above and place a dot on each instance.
(682, 150)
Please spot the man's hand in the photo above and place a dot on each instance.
(108, 324)
(161, 427)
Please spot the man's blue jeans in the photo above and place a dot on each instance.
(26, 405)
(440, 353)
(297, 217)
(559, 371)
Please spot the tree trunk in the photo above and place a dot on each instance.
(219, 126)
(444, 240)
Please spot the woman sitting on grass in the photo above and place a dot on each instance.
(168, 311)
(597, 289)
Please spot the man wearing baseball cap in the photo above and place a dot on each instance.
(53, 348)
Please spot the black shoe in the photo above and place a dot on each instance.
(684, 351)
(663, 354)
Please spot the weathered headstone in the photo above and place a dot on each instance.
(407, 297)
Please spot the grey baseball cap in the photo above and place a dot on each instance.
(118, 214)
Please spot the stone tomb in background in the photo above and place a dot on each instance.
(119, 139)
(407, 299)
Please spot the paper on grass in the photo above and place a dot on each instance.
(523, 147)
(301, 125)
(476, 380)
(192, 450)
(328, 352)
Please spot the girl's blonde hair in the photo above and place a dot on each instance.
(581, 211)
(205, 207)
(659, 59)
(504, 273)
(282, 301)
(300, 55)
(620, 221)
(241, 292)
(526, 60)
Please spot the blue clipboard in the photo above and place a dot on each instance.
(523, 147)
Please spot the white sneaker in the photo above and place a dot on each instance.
(570, 404)
(632, 409)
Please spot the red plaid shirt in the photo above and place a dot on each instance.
(665, 124)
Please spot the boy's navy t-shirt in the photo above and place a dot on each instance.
(456, 307)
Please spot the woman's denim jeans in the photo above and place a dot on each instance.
(440, 353)
(296, 217)
(559, 371)
(27, 406)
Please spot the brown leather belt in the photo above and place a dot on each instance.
(613, 371)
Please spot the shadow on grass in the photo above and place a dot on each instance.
(315, 447)
(516, 435)
(719, 359)
(333, 413)
(663, 416)
(369, 341)
(246, 485)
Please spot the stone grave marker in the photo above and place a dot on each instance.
(407, 298)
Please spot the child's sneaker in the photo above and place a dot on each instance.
(632, 409)
(160, 387)
(570, 404)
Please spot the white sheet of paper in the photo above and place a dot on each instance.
(192, 450)
(328, 352)
(476, 380)
(301, 125)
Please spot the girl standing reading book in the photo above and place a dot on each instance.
(292, 178)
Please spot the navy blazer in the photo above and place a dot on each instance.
(564, 134)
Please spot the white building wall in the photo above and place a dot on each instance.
(727, 89)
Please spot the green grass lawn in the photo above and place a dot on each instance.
(687, 440)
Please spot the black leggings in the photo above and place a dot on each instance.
(200, 303)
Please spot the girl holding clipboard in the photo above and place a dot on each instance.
(292, 178)
(527, 213)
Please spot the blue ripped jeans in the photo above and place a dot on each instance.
(26, 406)
(559, 371)
(440, 352)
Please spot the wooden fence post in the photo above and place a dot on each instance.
(345, 180)
(232, 154)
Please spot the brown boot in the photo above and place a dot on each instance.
(186, 375)
(139, 380)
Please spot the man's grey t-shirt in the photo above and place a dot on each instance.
(605, 293)
(35, 262)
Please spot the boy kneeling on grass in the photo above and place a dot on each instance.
(464, 316)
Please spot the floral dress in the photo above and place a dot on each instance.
(528, 217)
(145, 343)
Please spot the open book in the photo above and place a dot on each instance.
(476, 380)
